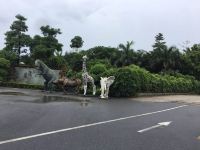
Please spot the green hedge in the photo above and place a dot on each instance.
(96, 72)
(148, 82)
(4, 63)
(133, 79)
(124, 85)
(20, 85)
(4, 67)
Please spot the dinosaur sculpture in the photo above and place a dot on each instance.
(105, 83)
(48, 74)
(87, 78)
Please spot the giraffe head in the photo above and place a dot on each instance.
(85, 57)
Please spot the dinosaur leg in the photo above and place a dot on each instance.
(45, 86)
(50, 85)
(64, 90)
(94, 87)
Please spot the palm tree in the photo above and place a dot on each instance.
(171, 58)
(127, 56)
(165, 59)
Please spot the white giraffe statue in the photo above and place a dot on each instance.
(106, 82)
(87, 78)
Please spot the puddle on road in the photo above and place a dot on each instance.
(49, 99)
(46, 98)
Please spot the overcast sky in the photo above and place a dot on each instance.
(108, 22)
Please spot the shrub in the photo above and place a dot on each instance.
(9, 55)
(56, 62)
(110, 72)
(92, 63)
(20, 85)
(74, 60)
(124, 85)
(98, 69)
(4, 63)
(4, 67)
(96, 72)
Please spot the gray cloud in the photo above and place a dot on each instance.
(107, 22)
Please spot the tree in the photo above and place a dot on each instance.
(105, 53)
(191, 61)
(164, 58)
(76, 43)
(140, 55)
(47, 31)
(4, 67)
(157, 56)
(171, 59)
(46, 46)
(74, 60)
(127, 56)
(16, 39)
(123, 87)
(159, 42)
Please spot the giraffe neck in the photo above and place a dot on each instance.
(84, 66)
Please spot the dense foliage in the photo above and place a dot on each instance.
(133, 79)
(76, 43)
(125, 84)
(160, 69)
(16, 39)
(4, 67)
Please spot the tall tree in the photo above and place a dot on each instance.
(191, 61)
(164, 58)
(127, 56)
(158, 54)
(47, 31)
(159, 42)
(76, 43)
(142, 58)
(105, 53)
(44, 47)
(16, 39)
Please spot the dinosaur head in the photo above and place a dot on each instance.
(37, 64)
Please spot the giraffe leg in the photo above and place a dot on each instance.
(94, 86)
(85, 89)
(94, 89)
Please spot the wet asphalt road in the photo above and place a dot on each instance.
(24, 116)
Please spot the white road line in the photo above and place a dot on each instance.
(87, 125)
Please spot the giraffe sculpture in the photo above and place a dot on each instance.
(87, 78)
(105, 83)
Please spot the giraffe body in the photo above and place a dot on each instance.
(87, 78)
